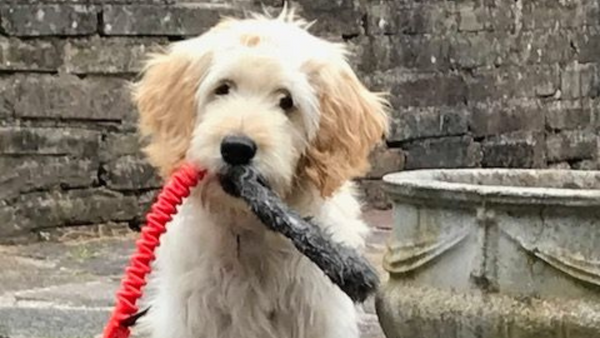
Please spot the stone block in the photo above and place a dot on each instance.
(108, 56)
(20, 175)
(589, 80)
(491, 118)
(428, 90)
(421, 52)
(115, 145)
(145, 200)
(381, 18)
(586, 165)
(446, 152)
(517, 150)
(385, 160)
(30, 55)
(539, 47)
(422, 122)
(424, 18)
(69, 97)
(587, 42)
(571, 145)
(130, 173)
(551, 15)
(374, 54)
(334, 19)
(567, 115)
(48, 19)
(502, 18)
(49, 141)
(174, 20)
(411, 18)
(74, 207)
(514, 82)
(373, 194)
(472, 18)
(477, 50)
(570, 82)
(7, 99)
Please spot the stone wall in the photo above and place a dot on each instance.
(485, 83)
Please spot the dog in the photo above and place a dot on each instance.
(264, 92)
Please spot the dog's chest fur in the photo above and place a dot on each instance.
(219, 277)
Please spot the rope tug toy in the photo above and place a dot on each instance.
(342, 265)
(162, 211)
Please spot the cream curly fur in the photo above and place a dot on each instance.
(219, 273)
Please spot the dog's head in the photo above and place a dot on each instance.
(262, 92)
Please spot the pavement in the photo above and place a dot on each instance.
(65, 288)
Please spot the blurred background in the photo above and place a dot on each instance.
(485, 83)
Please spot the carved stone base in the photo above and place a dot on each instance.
(493, 253)
(411, 312)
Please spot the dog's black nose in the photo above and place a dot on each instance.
(236, 149)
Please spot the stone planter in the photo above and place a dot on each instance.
(493, 253)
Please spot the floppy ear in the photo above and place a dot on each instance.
(166, 100)
(353, 121)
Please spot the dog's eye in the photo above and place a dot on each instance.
(223, 89)
(286, 102)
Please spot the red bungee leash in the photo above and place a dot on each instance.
(162, 211)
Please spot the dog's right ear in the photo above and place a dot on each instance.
(165, 97)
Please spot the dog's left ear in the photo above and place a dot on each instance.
(353, 121)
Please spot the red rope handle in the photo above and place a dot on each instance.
(162, 211)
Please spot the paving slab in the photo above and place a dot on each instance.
(66, 289)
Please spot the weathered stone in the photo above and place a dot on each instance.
(502, 18)
(422, 122)
(545, 47)
(472, 18)
(589, 80)
(423, 52)
(446, 152)
(520, 231)
(559, 166)
(513, 82)
(49, 141)
(145, 201)
(374, 195)
(7, 97)
(385, 160)
(516, 150)
(571, 145)
(21, 175)
(426, 18)
(587, 42)
(570, 82)
(116, 145)
(175, 20)
(130, 173)
(489, 118)
(68, 97)
(73, 207)
(476, 50)
(371, 54)
(551, 15)
(108, 56)
(567, 115)
(428, 90)
(381, 20)
(48, 19)
(341, 18)
(30, 55)
(586, 165)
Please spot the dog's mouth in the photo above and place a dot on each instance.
(233, 173)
